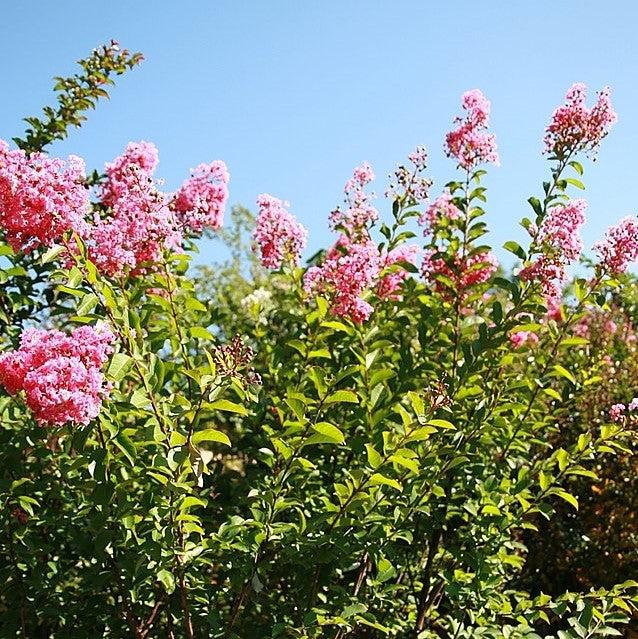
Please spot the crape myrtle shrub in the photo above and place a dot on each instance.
(364, 458)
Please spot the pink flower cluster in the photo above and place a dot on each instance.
(464, 273)
(40, 197)
(443, 208)
(559, 241)
(348, 271)
(278, 235)
(389, 285)
(142, 221)
(60, 374)
(470, 143)
(574, 127)
(618, 411)
(199, 203)
(523, 338)
(620, 246)
(139, 225)
(359, 214)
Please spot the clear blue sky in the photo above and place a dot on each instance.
(294, 94)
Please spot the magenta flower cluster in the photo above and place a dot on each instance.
(40, 197)
(574, 127)
(523, 338)
(60, 375)
(619, 247)
(470, 143)
(200, 201)
(359, 213)
(278, 236)
(559, 243)
(442, 208)
(462, 272)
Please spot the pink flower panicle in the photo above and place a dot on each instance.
(574, 127)
(470, 143)
(523, 338)
(559, 242)
(60, 374)
(619, 247)
(278, 235)
(443, 208)
(140, 224)
(464, 273)
(359, 213)
(389, 285)
(40, 197)
(617, 412)
(348, 271)
(199, 203)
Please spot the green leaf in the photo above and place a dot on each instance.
(374, 458)
(167, 580)
(378, 479)
(342, 396)
(126, 446)
(570, 499)
(563, 372)
(210, 435)
(517, 249)
(88, 303)
(119, 366)
(330, 432)
(227, 406)
(199, 332)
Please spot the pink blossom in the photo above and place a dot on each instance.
(40, 197)
(60, 374)
(470, 144)
(616, 412)
(443, 208)
(633, 405)
(523, 338)
(139, 224)
(619, 247)
(348, 271)
(390, 284)
(359, 213)
(610, 327)
(278, 235)
(559, 242)
(475, 269)
(199, 203)
(574, 127)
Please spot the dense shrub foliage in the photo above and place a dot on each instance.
(360, 447)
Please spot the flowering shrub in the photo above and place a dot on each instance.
(354, 450)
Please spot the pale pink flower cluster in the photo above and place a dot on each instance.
(470, 143)
(559, 241)
(278, 235)
(523, 338)
(60, 375)
(40, 197)
(200, 201)
(409, 185)
(348, 271)
(574, 127)
(359, 213)
(443, 208)
(463, 272)
(139, 225)
(390, 284)
(619, 247)
(617, 412)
